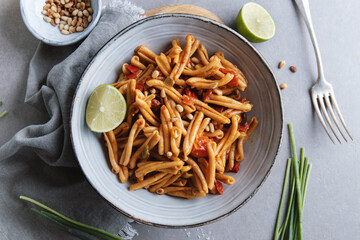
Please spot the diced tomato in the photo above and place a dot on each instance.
(207, 94)
(139, 87)
(132, 68)
(188, 100)
(132, 76)
(219, 187)
(191, 94)
(234, 82)
(155, 103)
(236, 167)
(199, 149)
(243, 127)
(242, 100)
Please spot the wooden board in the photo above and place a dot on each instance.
(182, 8)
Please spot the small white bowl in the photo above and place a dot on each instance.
(47, 33)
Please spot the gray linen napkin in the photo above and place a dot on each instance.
(53, 77)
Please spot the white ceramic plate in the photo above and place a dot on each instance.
(47, 33)
(260, 150)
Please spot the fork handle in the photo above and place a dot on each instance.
(303, 6)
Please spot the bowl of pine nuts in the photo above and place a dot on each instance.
(60, 22)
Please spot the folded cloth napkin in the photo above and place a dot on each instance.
(57, 180)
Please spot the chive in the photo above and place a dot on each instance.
(3, 114)
(169, 81)
(297, 174)
(78, 225)
(285, 186)
(1, 103)
(70, 230)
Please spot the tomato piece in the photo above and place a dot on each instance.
(132, 68)
(132, 76)
(225, 71)
(207, 94)
(199, 149)
(139, 87)
(236, 167)
(191, 94)
(242, 100)
(219, 109)
(219, 187)
(188, 100)
(243, 127)
(155, 103)
(234, 81)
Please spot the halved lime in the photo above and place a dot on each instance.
(255, 23)
(106, 109)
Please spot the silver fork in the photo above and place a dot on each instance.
(322, 91)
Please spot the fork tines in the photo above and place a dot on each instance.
(330, 103)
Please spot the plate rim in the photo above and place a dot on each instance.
(206, 20)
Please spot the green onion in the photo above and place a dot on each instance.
(70, 230)
(3, 114)
(297, 174)
(169, 81)
(70, 223)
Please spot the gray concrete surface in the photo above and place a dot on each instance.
(332, 209)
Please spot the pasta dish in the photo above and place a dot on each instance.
(186, 122)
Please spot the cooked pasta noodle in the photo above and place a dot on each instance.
(186, 124)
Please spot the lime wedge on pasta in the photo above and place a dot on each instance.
(255, 23)
(106, 109)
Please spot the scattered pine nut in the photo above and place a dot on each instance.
(190, 116)
(283, 86)
(169, 154)
(293, 69)
(282, 64)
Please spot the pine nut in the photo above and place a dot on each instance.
(66, 1)
(56, 15)
(89, 19)
(283, 86)
(80, 13)
(65, 32)
(66, 27)
(69, 21)
(47, 19)
(74, 21)
(71, 29)
(169, 154)
(75, 12)
(190, 116)
(61, 26)
(85, 22)
(153, 90)
(69, 5)
(293, 69)
(90, 10)
(44, 12)
(207, 128)
(155, 74)
(53, 22)
(62, 2)
(79, 29)
(57, 20)
(82, 6)
(54, 8)
(78, 5)
(79, 22)
(86, 13)
(64, 18)
(162, 93)
(47, 7)
(179, 108)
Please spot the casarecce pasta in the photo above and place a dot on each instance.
(185, 125)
